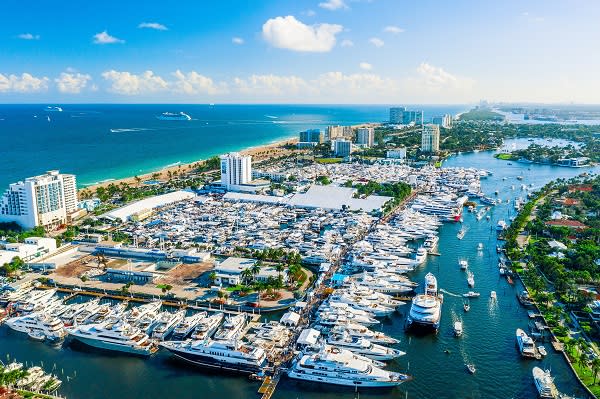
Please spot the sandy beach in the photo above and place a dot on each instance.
(258, 153)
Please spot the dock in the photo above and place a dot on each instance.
(268, 386)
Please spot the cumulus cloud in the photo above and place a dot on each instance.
(194, 83)
(28, 36)
(393, 29)
(291, 34)
(237, 40)
(127, 83)
(435, 76)
(333, 5)
(377, 42)
(105, 38)
(72, 83)
(26, 83)
(152, 25)
(271, 85)
(366, 66)
(347, 43)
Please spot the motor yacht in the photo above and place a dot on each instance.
(207, 326)
(120, 336)
(526, 344)
(362, 346)
(166, 323)
(544, 383)
(231, 328)
(358, 330)
(458, 328)
(38, 324)
(426, 308)
(187, 325)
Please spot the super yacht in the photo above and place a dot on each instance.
(231, 328)
(187, 325)
(544, 383)
(38, 324)
(426, 308)
(166, 323)
(119, 336)
(358, 330)
(207, 326)
(133, 315)
(227, 355)
(341, 367)
(362, 346)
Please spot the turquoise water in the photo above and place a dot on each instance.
(79, 140)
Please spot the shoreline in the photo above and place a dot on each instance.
(258, 152)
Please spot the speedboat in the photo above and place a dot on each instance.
(471, 294)
(458, 328)
(173, 116)
(471, 280)
(463, 264)
(471, 368)
(493, 295)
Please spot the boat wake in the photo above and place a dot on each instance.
(271, 117)
(131, 129)
(450, 293)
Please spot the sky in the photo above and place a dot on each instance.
(297, 51)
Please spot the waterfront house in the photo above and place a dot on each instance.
(571, 224)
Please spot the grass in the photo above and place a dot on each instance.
(329, 160)
(504, 157)
(585, 374)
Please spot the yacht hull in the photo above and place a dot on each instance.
(110, 346)
(342, 382)
(213, 363)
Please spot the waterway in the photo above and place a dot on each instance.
(488, 340)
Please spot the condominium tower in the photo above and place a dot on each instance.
(236, 169)
(430, 138)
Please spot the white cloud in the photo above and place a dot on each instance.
(435, 76)
(333, 5)
(271, 85)
(105, 38)
(377, 42)
(289, 33)
(28, 36)
(309, 13)
(194, 83)
(72, 83)
(347, 43)
(366, 66)
(152, 25)
(26, 83)
(237, 40)
(393, 29)
(130, 84)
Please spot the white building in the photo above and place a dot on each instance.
(365, 136)
(398, 153)
(229, 271)
(341, 148)
(430, 138)
(43, 200)
(236, 170)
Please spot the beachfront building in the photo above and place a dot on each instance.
(348, 132)
(45, 200)
(398, 153)
(312, 136)
(342, 148)
(236, 170)
(402, 116)
(334, 132)
(365, 136)
(444, 121)
(430, 138)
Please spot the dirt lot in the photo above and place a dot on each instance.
(185, 273)
(75, 268)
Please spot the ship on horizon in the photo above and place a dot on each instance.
(174, 116)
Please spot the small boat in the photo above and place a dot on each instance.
(480, 246)
(463, 264)
(36, 335)
(471, 280)
(510, 280)
(471, 368)
(466, 306)
(458, 328)
(542, 350)
(493, 295)
(472, 294)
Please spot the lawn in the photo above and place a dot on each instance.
(585, 374)
(505, 157)
(329, 160)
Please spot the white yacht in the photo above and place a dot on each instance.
(166, 323)
(421, 255)
(39, 324)
(363, 346)
(426, 309)
(357, 303)
(526, 344)
(358, 330)
(207, 326)
(88, 311)
(133, 315)
(461, 233)
(34, 301)
(227, 355)
(471, 279)
(120, 337)
(463, 263)
(231, 328)
(174, 116)
(51, 108)
(544, 383)
(501, 226)
(187, 325)
(341, 367)
(458, 328)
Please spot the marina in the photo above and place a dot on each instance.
(486, 325)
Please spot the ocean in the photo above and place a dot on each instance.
(98, 142)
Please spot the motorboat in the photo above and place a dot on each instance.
(187, 325)
(426, 308)
(174, 116)
(120, 337)
(493, 295)
(166, 323)
(39, 323)
(472, 294)
(458, 328)
(358, 330)
(526, 344)
(471, 368)
(544, 383)
(231, 328)
(207, 326)
(362, 346)
(470, 279)
(464, 264)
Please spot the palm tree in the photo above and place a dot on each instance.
(212, 277)
(595, 368)
(279, 268)
(582, 360)
(246, 275)
(255, 269)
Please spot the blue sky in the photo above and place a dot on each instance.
(321, 51)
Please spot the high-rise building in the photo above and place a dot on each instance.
(348, 132)
(400, 115)
(365, 136)
(236, 169)
(430, 138)
(312, 136)
(334, 132)
(342, 148)
(444, 121)
(43, 200)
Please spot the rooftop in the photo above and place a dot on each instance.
(157, 201)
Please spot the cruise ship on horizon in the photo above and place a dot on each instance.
(174, 116)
